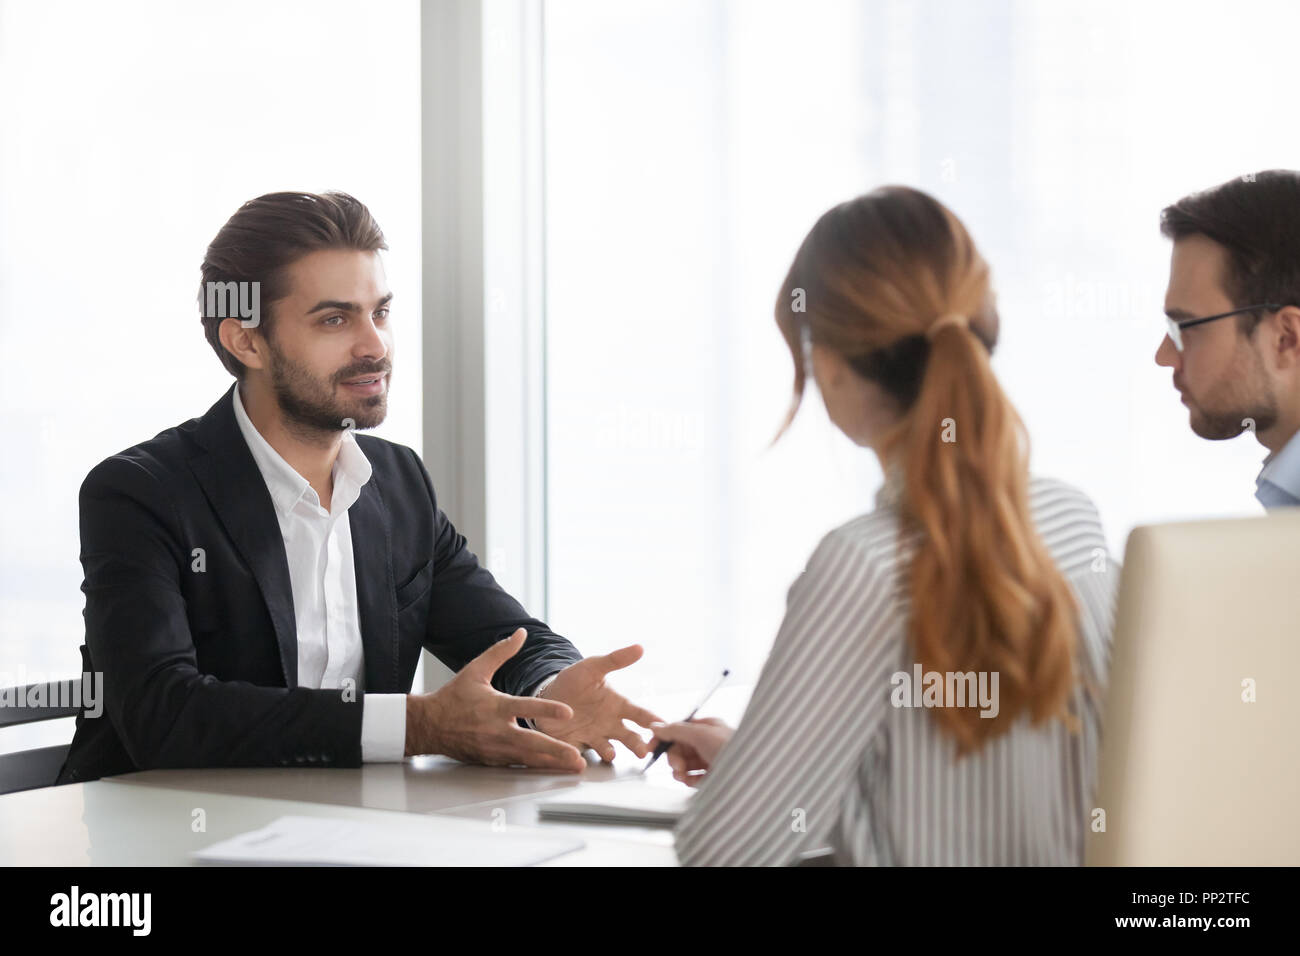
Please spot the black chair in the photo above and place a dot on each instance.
(29, 769)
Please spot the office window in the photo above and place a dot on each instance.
(129, 133)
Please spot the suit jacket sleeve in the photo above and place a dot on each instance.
(167, 713)
(470, 612)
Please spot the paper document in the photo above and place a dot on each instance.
(627, 800)
(422, 841)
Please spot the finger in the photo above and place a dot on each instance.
(605, 749)
(679, 761)
(616, 660)
(690, 779)
(678, 732)
(684, 757)
(640, 715)
(632, 741)
(538, 708)
(486, 664)
(535, 749)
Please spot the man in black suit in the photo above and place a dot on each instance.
(259, 581)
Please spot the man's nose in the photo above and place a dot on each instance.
(1166, 355)
(371, 345)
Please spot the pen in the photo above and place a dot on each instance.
(665, 744)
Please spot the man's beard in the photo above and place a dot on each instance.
(1217, 426)
(1240, 403)
(311, 407)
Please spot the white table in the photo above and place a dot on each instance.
(147, 818)
(111, 823)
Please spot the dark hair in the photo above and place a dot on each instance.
(898, 368)
(270, 233)
(1256, 218)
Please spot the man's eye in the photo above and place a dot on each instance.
(381, 314)
(330, 320)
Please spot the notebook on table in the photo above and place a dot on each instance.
(628, 800)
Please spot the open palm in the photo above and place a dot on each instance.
(598, 709)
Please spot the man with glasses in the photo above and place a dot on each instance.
(1236, 255)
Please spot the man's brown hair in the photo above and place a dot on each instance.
(1256, 218)
(270, 233)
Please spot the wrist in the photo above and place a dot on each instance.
(541, 688)
(539, 691)
(412, 726)
(419, 726)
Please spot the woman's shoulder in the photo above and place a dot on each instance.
(1056, 501)
(1068, 522)
(1045, 489)
(868, 542)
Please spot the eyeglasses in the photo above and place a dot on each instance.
(1176, 326)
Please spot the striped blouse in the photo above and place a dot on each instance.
(823, 757)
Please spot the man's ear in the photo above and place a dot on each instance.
(1288, 337)
(244, 343)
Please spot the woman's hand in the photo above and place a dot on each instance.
(695, 746)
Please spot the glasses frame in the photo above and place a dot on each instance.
(1176, 326)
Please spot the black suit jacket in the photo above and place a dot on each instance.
(201, 666)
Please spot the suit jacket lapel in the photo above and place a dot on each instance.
(376, 592)
(238, 494)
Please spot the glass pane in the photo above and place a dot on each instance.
(131, 132)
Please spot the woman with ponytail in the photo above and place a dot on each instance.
(932, 695)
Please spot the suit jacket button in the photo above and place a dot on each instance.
(299, 758)
(326, 758)
(311, 758)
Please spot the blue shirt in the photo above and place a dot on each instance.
(1278, 484)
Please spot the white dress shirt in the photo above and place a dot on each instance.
(318, 546)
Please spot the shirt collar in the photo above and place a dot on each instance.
(351, 468)
(1282, 469)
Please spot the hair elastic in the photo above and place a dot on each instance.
(952, 318)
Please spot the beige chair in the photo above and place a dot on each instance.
(1192, 772)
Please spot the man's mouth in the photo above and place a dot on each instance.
(367, 384)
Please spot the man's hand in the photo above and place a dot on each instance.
(598, 710)
(695, 746)
(470, 720)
